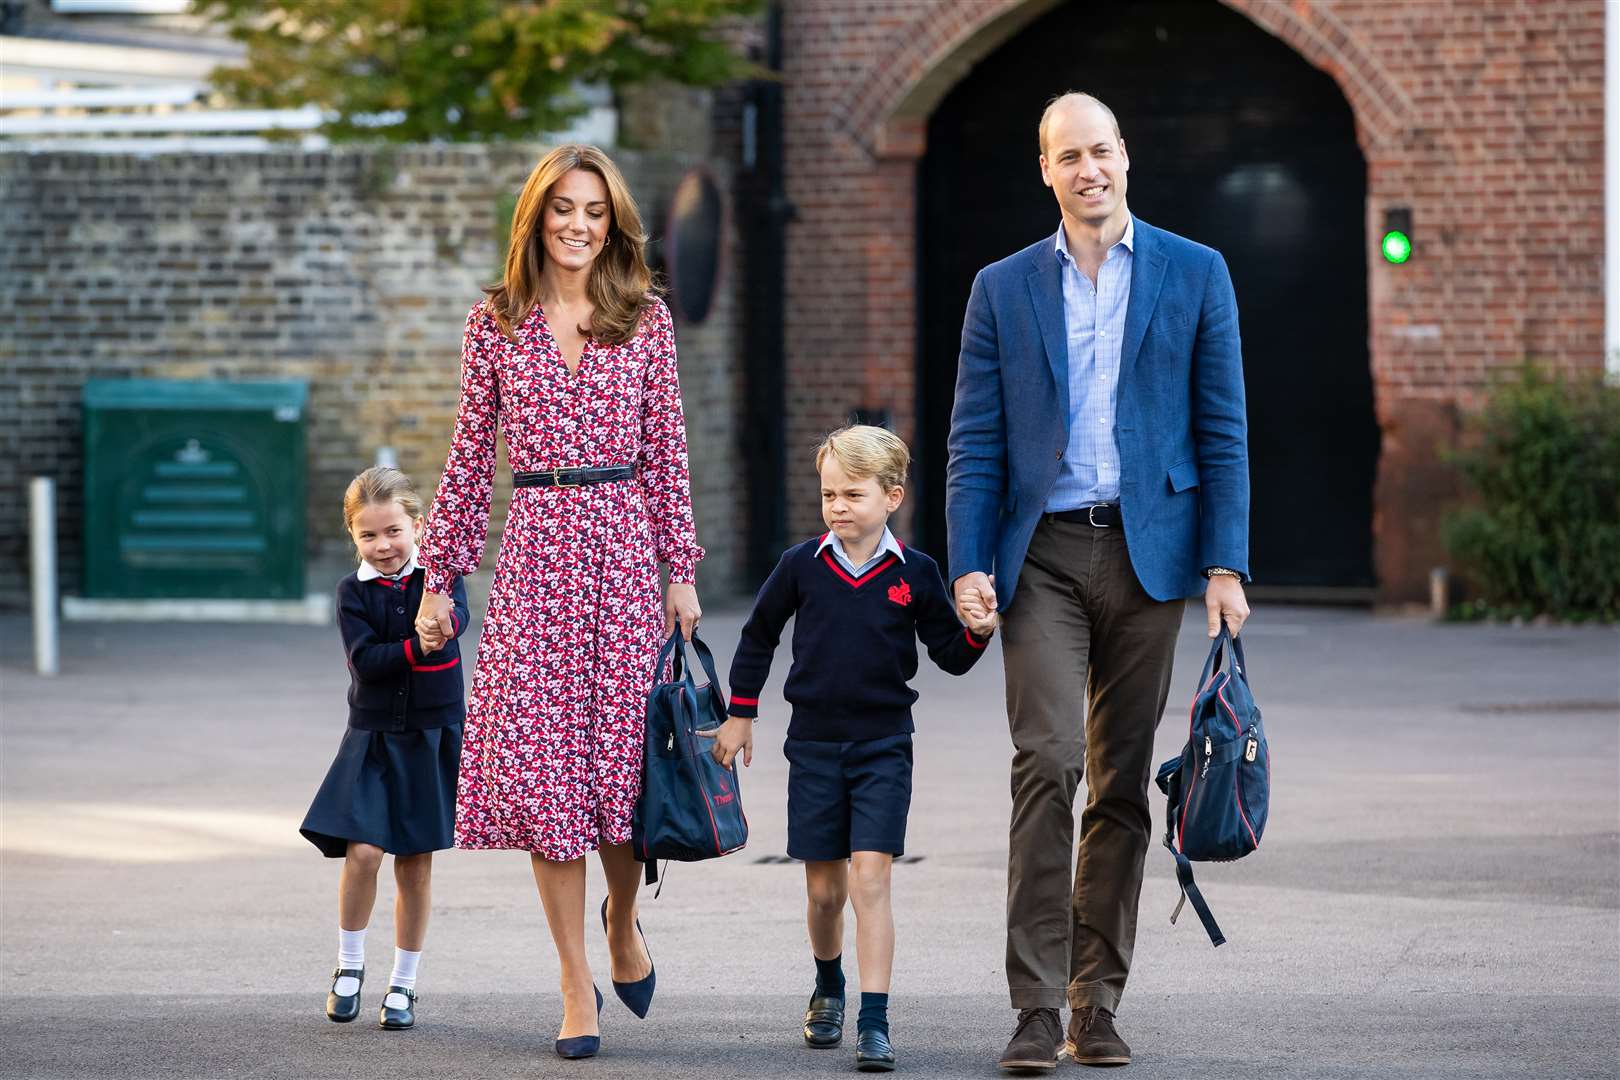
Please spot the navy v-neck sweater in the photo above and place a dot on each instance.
(854, 642)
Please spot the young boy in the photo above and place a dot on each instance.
(860, 601)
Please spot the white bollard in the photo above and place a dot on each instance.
(42, 536)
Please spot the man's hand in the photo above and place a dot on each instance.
(737, 733)
(978, 590)
(1224, 599)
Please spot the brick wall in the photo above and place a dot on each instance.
(1484, 116)
(351, 268)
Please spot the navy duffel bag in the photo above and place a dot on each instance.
(1220, 787)
(690, 806)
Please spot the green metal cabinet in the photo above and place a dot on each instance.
(194, 489)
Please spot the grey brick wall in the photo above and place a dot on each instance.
(352, 268)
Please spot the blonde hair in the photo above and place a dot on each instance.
(1068, 97)
(620, 284)
(864, 451)
(379, 485)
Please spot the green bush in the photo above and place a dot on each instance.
(1542, 536)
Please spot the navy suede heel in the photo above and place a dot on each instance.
(581, 1046)
(637, 996)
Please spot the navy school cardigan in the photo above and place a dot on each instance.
(854, 642)
(393, 684)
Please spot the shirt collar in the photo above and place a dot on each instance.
(1061, 244)
(367, 572)
(888, 545)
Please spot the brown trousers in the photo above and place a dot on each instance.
(1081, 627)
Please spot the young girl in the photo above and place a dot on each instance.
(392, 787)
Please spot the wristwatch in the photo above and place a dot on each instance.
(1221, 571)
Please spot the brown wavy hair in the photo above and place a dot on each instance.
(620, 284)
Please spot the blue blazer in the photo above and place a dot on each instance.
(1179, 423)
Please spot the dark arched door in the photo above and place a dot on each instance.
(1235, 141)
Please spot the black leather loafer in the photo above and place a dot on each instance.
(824, 1022)
(398, 1019)
(340, 1010)
(873, 1052)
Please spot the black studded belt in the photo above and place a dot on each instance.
(564, 478)
(1099, 515)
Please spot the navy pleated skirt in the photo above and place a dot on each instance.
(394, 789)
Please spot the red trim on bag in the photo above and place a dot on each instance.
(435, 667)
(1237, 791)
(1186, 803)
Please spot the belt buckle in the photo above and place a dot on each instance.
(557, 480)
(1091, 515)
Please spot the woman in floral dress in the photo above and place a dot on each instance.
(572, 356)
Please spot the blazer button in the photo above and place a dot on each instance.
(399, 611)
(1060, 455)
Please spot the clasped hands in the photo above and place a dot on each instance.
(434, 622)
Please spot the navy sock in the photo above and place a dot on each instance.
(874, 1013)
(830, 976)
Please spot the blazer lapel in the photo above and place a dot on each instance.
(1147, 276)
(1046, 292)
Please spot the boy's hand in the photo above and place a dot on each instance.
(981, 622)
(976, 613)
(737, 733)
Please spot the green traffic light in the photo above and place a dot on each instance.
(1397, 248)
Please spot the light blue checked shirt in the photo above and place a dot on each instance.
(1095, 321)
(887, 545)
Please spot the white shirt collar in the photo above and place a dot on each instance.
(888, 545)
(367, 572)
(1061, 244)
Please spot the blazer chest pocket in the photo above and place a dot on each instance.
(1183, 476)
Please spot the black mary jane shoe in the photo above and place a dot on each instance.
(339, 1009)
(581, 1046)
(873, 1052)
(824, 1022)
(398, 1019)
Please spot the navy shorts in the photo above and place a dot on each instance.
(848, 796)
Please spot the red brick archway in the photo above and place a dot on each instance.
(1442, 94)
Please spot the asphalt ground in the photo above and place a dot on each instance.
(1437, 895)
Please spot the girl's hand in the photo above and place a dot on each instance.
(431, 642)
(433, 616)
(737, 733)
(681, 603)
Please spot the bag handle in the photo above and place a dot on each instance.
(1225, 651)
(682, 671)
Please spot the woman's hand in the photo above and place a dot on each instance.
(433, 617)
(681, 604)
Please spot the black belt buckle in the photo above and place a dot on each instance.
(1091, 515)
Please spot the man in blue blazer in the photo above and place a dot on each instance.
(1098, 476)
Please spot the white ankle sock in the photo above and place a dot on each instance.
(351, 955)
(405, 969)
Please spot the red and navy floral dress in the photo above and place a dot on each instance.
(551, 756)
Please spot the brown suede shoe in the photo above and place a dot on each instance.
(1093, 1040)
(1034, 1044)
